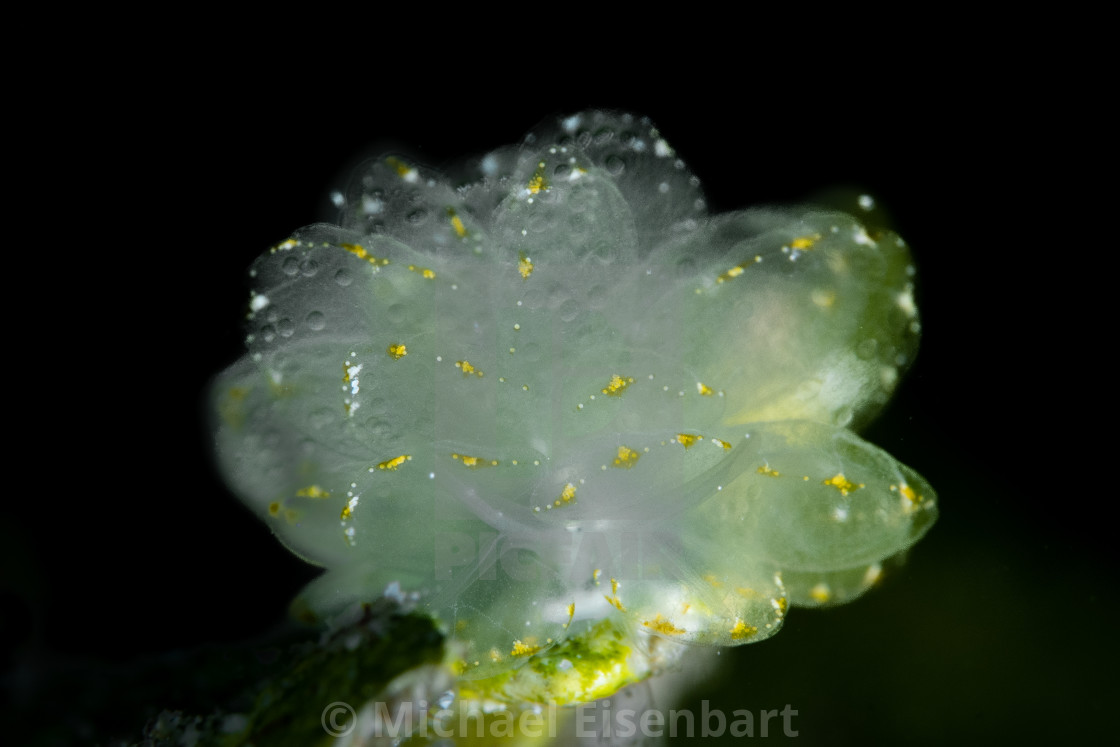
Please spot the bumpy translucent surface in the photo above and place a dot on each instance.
(565, 392)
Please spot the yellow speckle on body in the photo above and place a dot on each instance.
(737, 270)
(767, 470)
(474, 462)
(404, 171)
(360, 252)
(841, 483)
(524, 265)
(568, 493)
(688, 439)
(523, 649)
(537, 183)
(422, 271)
(741, 630)
(274, 509)
(908, 493)
(595, 575)
(626, 458)
(703, 389)
(720, 442)
(392, 464)
(911, 500)
(312, 491)
(820, 593)
(734, 272)
(398, 165)
(804, 242)
(663, 626)
(397, 351)
(457, 223)
(615, 602)
(468, 368)
(617, 385)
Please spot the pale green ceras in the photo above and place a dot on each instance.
(566, 393)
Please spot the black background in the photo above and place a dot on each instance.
(128, 544)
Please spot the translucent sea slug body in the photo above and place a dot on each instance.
(565, 393)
